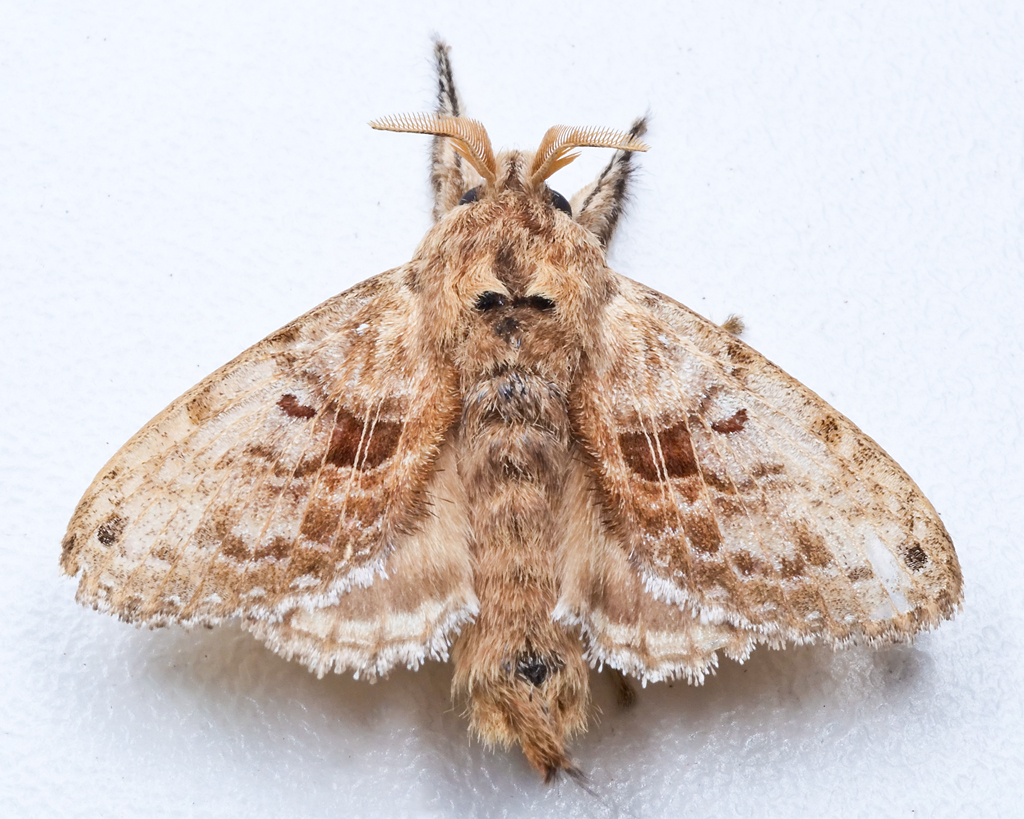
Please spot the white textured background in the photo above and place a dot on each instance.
(179, 179)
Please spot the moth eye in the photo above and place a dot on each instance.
(468, 196)
(539, 303)
(490, 300)
(561, 203)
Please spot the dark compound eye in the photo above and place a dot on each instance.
(561, 203)
(490, 301)
(468, 196)
(537, 302)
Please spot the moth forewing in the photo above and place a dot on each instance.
(505, 451)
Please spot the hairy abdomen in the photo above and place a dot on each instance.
(524, 674)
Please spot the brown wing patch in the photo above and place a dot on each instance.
(283, 477)
(668, 454)
(734, 423)
(736, 490)
(362, 443)
(915, 558)
(110, 530)
(292, 408)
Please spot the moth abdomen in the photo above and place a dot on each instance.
(524, 674)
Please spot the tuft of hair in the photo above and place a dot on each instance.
(599, 205)
(448, 101)
(448, 177)
(734, 324)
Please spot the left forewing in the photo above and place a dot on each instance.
(282, 480)
(740, 494)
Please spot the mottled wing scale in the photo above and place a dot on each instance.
(408, 614)
(622, 624)
(282, 480)
(741, 497)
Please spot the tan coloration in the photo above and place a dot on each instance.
(506, 441)
(553, 153)
(734, 324)
(279, 481)
(523, 672)
(624, 626)
(792, 500)
(468, 136)
(404, 617)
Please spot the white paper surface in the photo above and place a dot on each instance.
(177, 180)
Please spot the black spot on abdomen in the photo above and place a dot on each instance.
(532, 669)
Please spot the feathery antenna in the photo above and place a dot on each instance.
(468, 136)
(553, 153)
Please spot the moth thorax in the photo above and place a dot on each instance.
(514, 439)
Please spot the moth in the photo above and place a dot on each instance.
(506, 451)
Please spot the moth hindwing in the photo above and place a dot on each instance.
(506, 450)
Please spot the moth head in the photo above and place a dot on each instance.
(525, 173)
(503, 240)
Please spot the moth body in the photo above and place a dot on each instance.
(506, 451)
(516, 355)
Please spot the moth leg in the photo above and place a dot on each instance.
(625, 696)
(599, 205)
(734, 324)
(450, 177)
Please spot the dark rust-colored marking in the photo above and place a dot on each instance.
(676, 449)
(746, 563)
(813, 549)
(915, 558)
(235, 548)
(279, 548)
(110, 530)
(792, 567)
(344, 449)
(702, 533)
(858, 573)
(715, 574)
(320, 522)
(733, 424)
(292, 408)
(309, 562)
